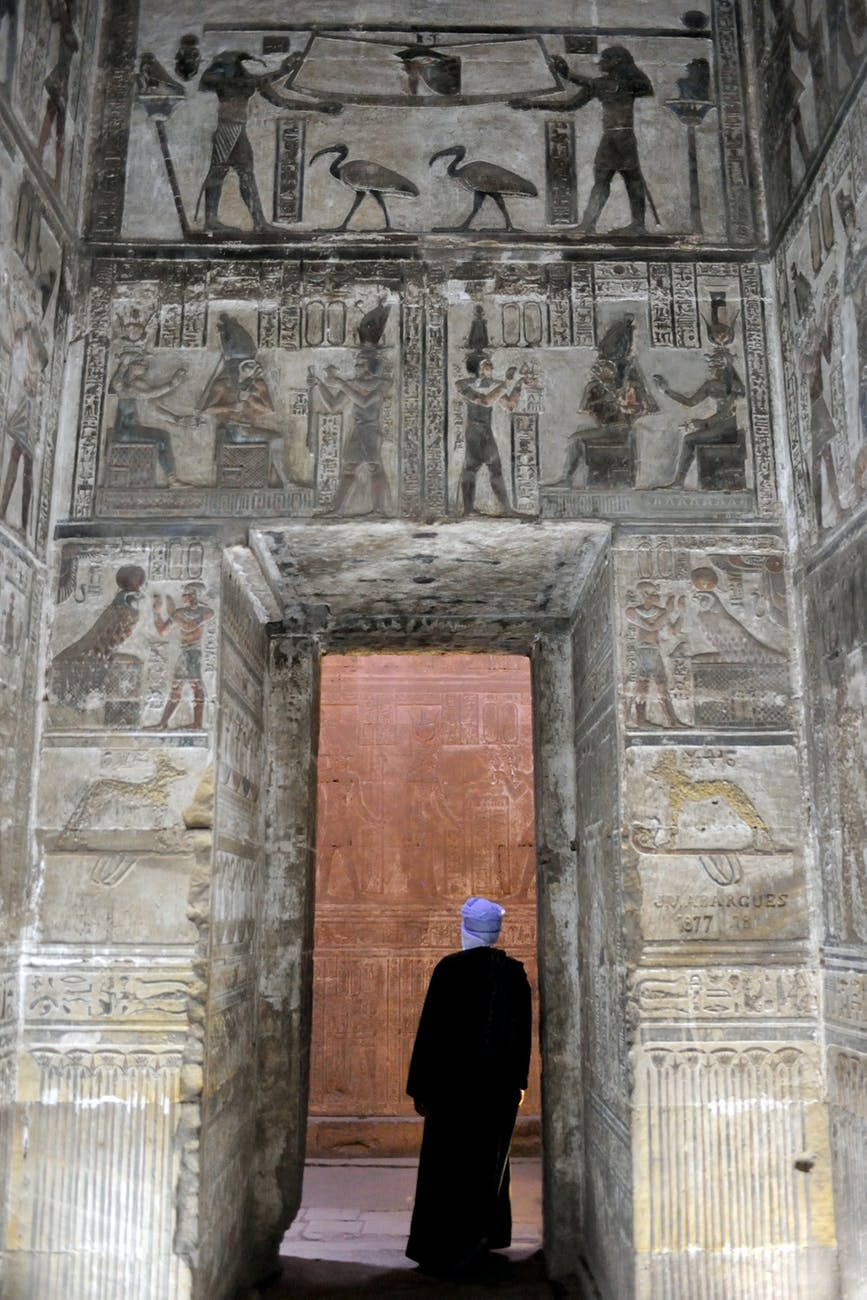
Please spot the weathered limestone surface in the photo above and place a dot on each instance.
(585, 382)
(217, 1178)
(820, 273)
(42, 155)
(608, 1201)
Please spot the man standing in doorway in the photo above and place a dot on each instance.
(467, 1077)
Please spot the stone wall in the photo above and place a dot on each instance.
(511, 403)
(608, 1200)
(218, 1178)
(809, 61)
(44, 96)
(822, 282)
(723, 985)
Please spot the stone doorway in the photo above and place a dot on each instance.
(425, 796)
(492, 588)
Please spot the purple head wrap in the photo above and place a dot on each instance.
(480, 922)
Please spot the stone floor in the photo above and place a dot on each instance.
(349, 1237)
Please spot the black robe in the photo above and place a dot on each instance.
(468, 1068)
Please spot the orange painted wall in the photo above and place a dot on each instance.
(425, 797)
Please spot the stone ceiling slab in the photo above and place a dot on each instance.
(468, 571)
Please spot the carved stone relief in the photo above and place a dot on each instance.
(719, 842)
(134, 639)
(345, 390)
(116, 1222)
(33, 314)
(691, 1128)
(267, 132)
(46, 47)
(21, 588)
(847, 1086)
(808, 56)
(587, 381)
(822, 282)
(837, 617)
(706, 636)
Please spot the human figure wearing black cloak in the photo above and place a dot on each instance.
(467, 1077)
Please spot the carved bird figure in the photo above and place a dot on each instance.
(485, 180)
(113, 625)
(152, 78)
(365, 178)
(371, 327)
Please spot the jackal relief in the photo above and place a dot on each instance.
(111, 801)
(684, 789)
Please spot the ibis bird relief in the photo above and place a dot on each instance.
(508, 133)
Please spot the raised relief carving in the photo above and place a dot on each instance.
(94, 664)
(190, 619)
(265, 401)
(823, 282)
(111, 801)
(533, 84)
(692, 1128)
(717, 843)
(706, 638)
(606, 379)
(249, 384)
(724, 995)
(119, 671)
(111, 995)
(807, 60)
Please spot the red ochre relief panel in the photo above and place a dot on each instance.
(425, 797)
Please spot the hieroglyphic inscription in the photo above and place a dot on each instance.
(288, 184)
(684, 306)
(846, 998)
(93, 395)
(411, 400)
(435, 428)
(120, 28)
(560, 166)
(621, 280)
(661, 306)
(712, 995)
(583, 306)
(757, 382)
(119, 995)
(194, 322)
(559, 306)
(328, 440)
(525, 459)
(735, 141)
